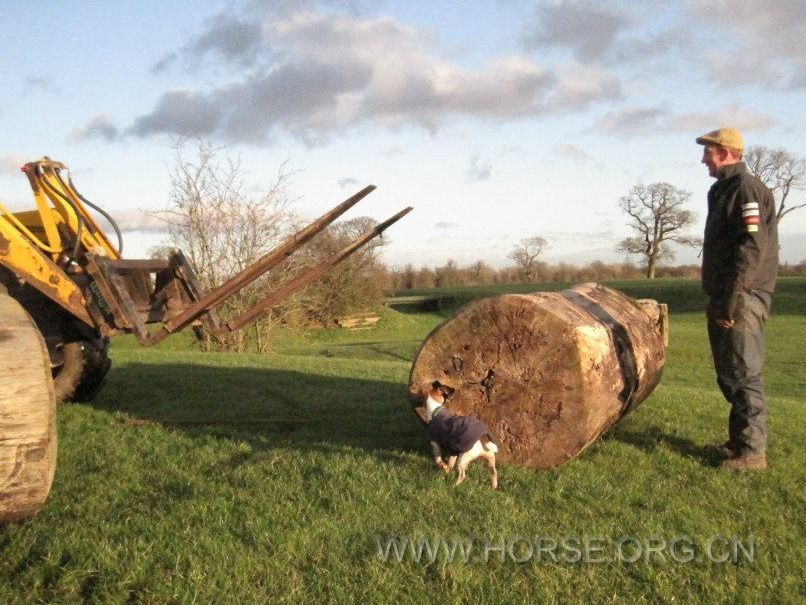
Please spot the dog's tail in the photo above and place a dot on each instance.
(489, 445)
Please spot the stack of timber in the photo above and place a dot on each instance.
(547, 372)
(363, 321)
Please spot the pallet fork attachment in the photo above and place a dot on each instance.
(124, 296)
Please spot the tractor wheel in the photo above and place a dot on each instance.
(79, 369)
(27, 415)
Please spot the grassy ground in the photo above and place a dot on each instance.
(315, 463)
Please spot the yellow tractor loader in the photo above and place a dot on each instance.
(65, 290)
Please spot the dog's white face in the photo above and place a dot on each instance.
(435, 397)
(431, 406)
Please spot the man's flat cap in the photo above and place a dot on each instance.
(727, 137)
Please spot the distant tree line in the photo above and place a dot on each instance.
(481, 274)
(400, 279)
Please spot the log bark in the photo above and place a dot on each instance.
(547, 372)
(27, 415)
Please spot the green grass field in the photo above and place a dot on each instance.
(312, 463)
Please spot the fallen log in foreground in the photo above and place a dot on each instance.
(547, 372)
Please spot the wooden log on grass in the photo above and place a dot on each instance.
(547, 372)
(27, 415)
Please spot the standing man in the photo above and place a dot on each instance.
(739, 267)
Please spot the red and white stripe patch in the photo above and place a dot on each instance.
(751, 216)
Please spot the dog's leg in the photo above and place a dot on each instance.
(461, 467)
(465, 458)
(490, 458)
(451, 462)
(438, 457)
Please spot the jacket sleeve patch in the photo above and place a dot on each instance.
(751, 216)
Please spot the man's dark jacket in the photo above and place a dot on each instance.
(455, 434)
(740, 247)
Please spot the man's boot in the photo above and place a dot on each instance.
(745, 462)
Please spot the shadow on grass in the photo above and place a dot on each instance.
(394, 350)
(265, 407)
(652, 438)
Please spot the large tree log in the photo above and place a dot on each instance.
(27, 415)
(547, 372)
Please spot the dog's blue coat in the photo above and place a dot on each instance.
(455, 434)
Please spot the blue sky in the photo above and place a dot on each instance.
(497, 120)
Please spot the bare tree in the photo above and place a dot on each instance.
(525, 255)
(447, 275)
(780, 171)
(481, 274)
(656, 216)
(425, 278)
(405, 278)
(222, 229)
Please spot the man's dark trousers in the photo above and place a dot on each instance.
(739, 359)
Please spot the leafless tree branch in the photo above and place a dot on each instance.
(656, 216)
(781, 171)
(525, 255)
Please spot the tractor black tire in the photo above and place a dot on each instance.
(79, 355)
(83, 371)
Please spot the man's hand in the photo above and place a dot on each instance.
(726, 324)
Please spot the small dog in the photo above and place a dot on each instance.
(462, 438)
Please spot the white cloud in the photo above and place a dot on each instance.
(642, 47)
(768, 39)
(512, 150)
(573, 152)
(742, 68)
(732, 115)
(479, 170)
(611, 33)
(99, 127)
(232, 39)
(39, 83)
(11, 164)
(139, 220)
(588, 29)
(315, 74)
(579, 86)
(180, 112)
(652, 121)
(632, 121)
(393, 151)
